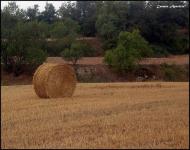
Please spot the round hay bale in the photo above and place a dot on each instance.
(54, 80)
(40, 78)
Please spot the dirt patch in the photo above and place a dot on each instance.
(177, 59)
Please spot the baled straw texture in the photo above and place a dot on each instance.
(54, 80)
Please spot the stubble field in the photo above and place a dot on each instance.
(103, 115)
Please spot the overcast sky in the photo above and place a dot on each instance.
(26, 4)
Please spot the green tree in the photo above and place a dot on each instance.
(135, 13)
(65, 28)
(130, 49)
(133, 40)
(74, 54)
(11, 8)
(23, 46)
(49, 14)
(67, 10)
(86, 11)
(111, 19)
(10, 16)
(160, 25)
(63, 33)
(33, 13)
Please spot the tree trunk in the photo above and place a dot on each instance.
(75, 66)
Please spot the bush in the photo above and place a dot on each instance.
(130, 48)
(174, 72)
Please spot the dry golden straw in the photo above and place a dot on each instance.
(53, 80)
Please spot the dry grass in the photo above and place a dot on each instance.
(113, 115)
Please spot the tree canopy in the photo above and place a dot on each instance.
(163, 27)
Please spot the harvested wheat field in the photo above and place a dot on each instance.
(103, 115)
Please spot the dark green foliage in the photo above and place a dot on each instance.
(88, 50)
(180, 44)
(23, 47)
(106, 19)
(62, 35)
(76, 51)
(33, 13)
(159, 51)
(35, 56)
(49, 14)
(160, 25)
(111, 20)
(54, 48)
(109, 44)
(85, 14)
(68, 28)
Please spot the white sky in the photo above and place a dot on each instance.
(26, 4)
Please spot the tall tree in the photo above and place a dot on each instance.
(49, 14)
(33, 13)
(10, 16)
(67, 10)
(111, 19)
(86, 11)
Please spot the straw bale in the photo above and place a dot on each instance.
(54, 80)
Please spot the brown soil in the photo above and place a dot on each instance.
(177, 59)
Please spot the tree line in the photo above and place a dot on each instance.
(164, 28)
